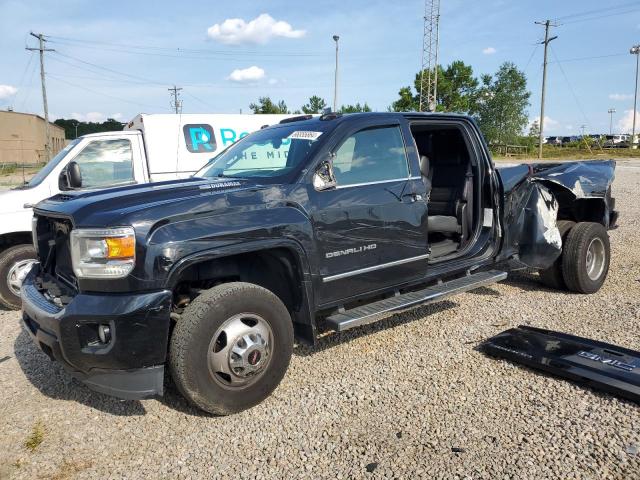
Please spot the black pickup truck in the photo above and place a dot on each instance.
(323, 223)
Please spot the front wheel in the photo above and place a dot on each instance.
(585, 261)
(231, 347)
(15, 263)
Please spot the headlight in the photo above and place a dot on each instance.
(103, 253)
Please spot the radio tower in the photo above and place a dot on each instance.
(429, 72)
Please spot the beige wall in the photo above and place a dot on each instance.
(22, 138)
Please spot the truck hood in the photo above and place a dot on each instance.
(123, 205)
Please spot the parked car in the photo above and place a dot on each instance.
(554, 140)
(150, 148)
(616, 141)
(344, 218)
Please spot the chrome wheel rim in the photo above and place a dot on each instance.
(17, 273)
(240, 350)
(595, 260)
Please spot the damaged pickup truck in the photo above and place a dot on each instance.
(329, 222)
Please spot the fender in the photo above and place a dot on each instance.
(304, 319)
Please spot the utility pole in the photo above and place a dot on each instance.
(547, 24)
(635, 50)
(582, 128)
(335, 78)
(611, 111)
(47, 133)
(430, 46)
(176, 103)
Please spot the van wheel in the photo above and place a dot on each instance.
(552, 276)
(15, 263)
(585, 261)
(231, 347)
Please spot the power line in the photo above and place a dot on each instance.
(20, 83)
(104, 94)
(573, 93)
(199, 99)
(178, 50)
(110, 69)
(595, 11)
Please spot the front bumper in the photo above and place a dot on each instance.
(130, 365)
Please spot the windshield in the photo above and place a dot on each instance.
(48, 168)
(269, 154)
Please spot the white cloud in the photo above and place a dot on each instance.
(235, 31)
(7, 91)
(548, 122)
(250, 74)
(620, 96)
(96, 117)
(489, 51)
(625, 124)
(273, 81)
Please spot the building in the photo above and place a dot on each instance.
(22, 138)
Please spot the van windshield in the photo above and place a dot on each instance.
(269, 154)
(48, 168)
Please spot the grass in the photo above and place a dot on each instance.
(551, 152)
(36, 437)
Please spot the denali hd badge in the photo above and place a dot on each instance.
(349, 251)
(607, 361)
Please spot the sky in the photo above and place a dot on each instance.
(117, 59)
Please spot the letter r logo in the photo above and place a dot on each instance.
(199, 138)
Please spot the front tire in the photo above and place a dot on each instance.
(231, 347)
(585, 261)
(15, 263)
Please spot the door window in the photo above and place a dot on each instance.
(105, 163)
(371, 155)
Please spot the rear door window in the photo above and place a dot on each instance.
(371, 155)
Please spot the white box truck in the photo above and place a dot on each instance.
(151, 148)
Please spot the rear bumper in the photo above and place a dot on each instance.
(130, 364)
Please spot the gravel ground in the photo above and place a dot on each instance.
(406, 397)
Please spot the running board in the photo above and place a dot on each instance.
(372, 312)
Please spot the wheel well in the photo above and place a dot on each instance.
(15, 238)
(578, 209)
(278, 270)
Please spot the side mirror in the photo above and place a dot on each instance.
(323, 178)
(70, 177)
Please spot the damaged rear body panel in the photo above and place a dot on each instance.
(596, 364)
(536, 195)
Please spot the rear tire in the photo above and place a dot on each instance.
(15, 262)
(585, 261)
(231, 347)
(552, 276)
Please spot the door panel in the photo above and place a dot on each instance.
(370, 230)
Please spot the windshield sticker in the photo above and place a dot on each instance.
(304, 135)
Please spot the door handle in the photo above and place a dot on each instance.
(413, 197)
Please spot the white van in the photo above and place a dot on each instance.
(151, 148)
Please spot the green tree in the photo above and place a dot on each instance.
(534, 129)
(457, 90)
(266, 105)
(316, 105)
(355, 108)
(69, 125)
(502, 102)
(408, 102)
